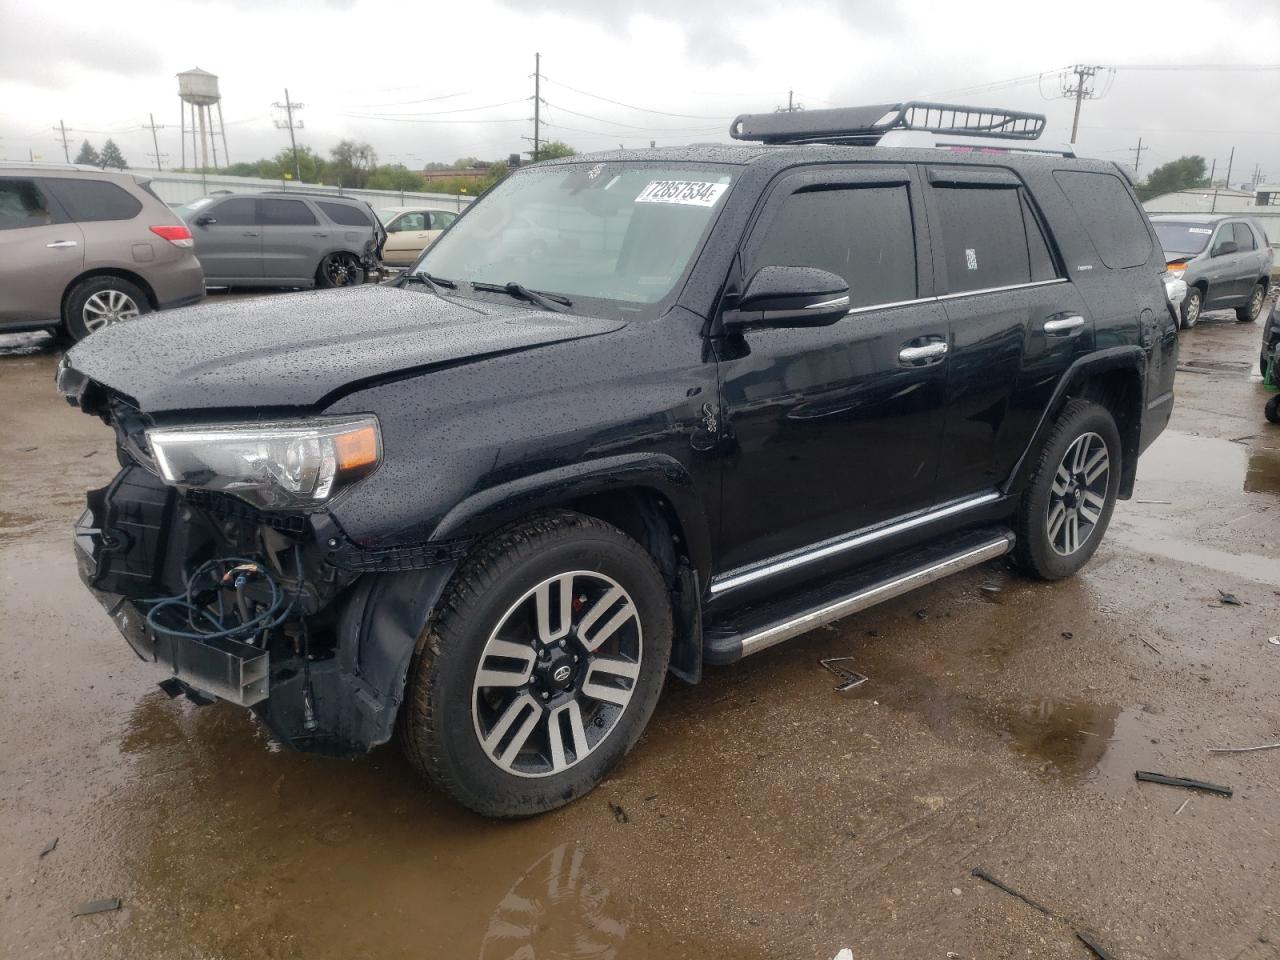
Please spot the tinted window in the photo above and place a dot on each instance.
(984, 237)
(236, 212)
(441, 219)
(285, 213)
(23, 205)
(344, 214)
(1043, 266)
(1111, 218)
(87, 201)
(1244, 236)
(863, 234)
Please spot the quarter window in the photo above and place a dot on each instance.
(985, 238)
(90, 201)
(344, 214)
(1110, 217)
(1244, 237)
(285, 213)
(23, 205)
(441, 219)
(863, 234)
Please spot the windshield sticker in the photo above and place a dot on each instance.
(1205, 230)
(691, 193)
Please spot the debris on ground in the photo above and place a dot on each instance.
(1149, 777)
(1261, 746)
(1229, 599)
(849, 679)
(618, 813)
(96, 906)
(991, 589)
(48, 847)
(845, 954)
(1170, 502)
(1151, 645)
(922, 614)
(1084, 936)
(89, 454)
(1274, 640)
(1067, 634)
(1182, 807)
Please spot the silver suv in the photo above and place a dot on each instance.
(1225, 261)
(81, 248)
(291, 239)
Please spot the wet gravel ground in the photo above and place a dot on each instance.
(763, 815)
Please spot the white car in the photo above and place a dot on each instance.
(410, 230)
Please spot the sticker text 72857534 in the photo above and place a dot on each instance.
(691, 193)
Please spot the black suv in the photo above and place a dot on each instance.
(717, 397)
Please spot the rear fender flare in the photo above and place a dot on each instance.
(1131, 359)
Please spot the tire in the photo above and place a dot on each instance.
(339, 270)
(1191, 307)
(461, 732)
(1249, 312)
(99, 302)
(1044, 549)
(1273, 409)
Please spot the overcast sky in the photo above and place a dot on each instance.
(408, 77)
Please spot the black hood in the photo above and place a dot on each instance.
(295, 350)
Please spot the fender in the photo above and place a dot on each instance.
(490, 508)
(1131, 358)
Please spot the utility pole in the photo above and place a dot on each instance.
(288, 107)
(537, 102)
(1230, 160)
(1082, 91)
(155, 141)
(66, 149)
(1137, 157)
(791, 106)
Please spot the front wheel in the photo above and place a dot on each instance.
(1191, 307)
(540, 668)
(340, 270)
(1067, 505)
(1249, 312)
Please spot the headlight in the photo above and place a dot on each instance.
(291, 464)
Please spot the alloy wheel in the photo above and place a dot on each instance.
(338, 271)
(1255, 301)
(106, 307)
(1079, 494)
(1193, 308)
(557, 673)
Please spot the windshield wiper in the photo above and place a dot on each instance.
(435, 283)
(547, 301)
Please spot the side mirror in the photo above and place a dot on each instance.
(1225, 247)
(205, 220)
(790, 297)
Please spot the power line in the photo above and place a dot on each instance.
(436, 113)
(632, 106)
(619, 123)
(1082, 91)
(289, 106)
(791, 106)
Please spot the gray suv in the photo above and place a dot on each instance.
(81, 248)
(282, 239)
(1225, 261)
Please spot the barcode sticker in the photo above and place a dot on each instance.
(691, 193)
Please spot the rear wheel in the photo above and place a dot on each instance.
(541, 667)
(99, 302)
(340, 270)
(1249, 312)
(1191, 307)
(1067, 505)
(1273, 409)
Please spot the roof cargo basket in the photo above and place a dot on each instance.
(866, 125)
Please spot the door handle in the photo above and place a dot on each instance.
(250, 234)
(62, 244)
(924, 353)
(1063, 326)
(322, 235)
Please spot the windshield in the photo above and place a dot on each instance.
(619, 231)
(1182, 238)
(189, 208)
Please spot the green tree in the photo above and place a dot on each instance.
(112, 157)
(1180, 174)
(88, 155)
(395, 177)
(553, 149)
(351, 164)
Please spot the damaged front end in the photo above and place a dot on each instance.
(273, 609)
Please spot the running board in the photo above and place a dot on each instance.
(750, 631)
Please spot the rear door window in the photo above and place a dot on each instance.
(23, 204)
(344, 214)
(1244, 237)
(863, 234)
(285, 213)
(90, 201)
(1110, 217)
(236, 212)
(985, 233)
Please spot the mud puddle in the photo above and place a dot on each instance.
(1251, 465)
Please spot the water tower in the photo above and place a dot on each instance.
(199, 89)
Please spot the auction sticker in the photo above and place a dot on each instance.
(691, 193)
(1204, 230)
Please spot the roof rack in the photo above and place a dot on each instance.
(866, 125)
